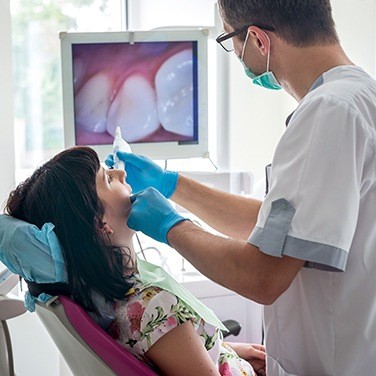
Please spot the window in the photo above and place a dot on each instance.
(38, 116)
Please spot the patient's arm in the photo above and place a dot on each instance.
(181, 352)
(253, 354)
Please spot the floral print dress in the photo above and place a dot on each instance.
(148, 313)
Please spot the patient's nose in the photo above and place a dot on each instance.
(121, 175)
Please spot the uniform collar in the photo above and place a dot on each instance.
(318, 82)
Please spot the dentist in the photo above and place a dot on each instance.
(308, 251)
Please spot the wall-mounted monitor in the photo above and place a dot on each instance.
(152, 84)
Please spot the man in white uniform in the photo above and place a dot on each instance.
(308, 252)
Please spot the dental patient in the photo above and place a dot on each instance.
(89, 207)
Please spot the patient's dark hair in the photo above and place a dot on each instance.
(63, 192)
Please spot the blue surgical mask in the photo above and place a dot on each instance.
(267, 79)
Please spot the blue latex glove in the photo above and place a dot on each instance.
(143, 173)
(152, 214)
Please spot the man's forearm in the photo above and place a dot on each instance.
(232, 215)
(235, 264)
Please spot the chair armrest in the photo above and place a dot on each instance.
(233, 327)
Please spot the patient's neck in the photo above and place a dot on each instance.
(124, 239)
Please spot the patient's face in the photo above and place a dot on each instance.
(114, 193)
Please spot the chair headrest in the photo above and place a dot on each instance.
(34, 254)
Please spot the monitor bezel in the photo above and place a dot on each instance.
(154, 150)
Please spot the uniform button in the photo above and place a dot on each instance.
(284, 207)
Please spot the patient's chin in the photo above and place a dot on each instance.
(129, 230)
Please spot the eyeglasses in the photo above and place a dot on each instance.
(225, 40)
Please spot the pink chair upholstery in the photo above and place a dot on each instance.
(112, 358)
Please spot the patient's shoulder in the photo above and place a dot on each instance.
(147, 314)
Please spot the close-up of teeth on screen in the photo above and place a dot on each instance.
(148, 89)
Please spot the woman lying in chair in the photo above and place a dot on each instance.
(89, 205)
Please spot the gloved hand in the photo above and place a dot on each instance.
(143, 173)
(152, 214)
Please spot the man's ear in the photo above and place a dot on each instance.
(260, 39)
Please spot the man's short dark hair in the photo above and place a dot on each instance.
(301, 23)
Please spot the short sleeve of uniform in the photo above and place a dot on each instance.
(311, 210)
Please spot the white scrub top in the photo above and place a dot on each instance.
(321, 207)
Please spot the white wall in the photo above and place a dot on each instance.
(6, 105)
(143, 13)
(355, 21)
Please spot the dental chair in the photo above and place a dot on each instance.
(85, 346)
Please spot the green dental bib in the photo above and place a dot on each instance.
(153, 275)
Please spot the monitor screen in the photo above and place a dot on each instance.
(153, 85)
